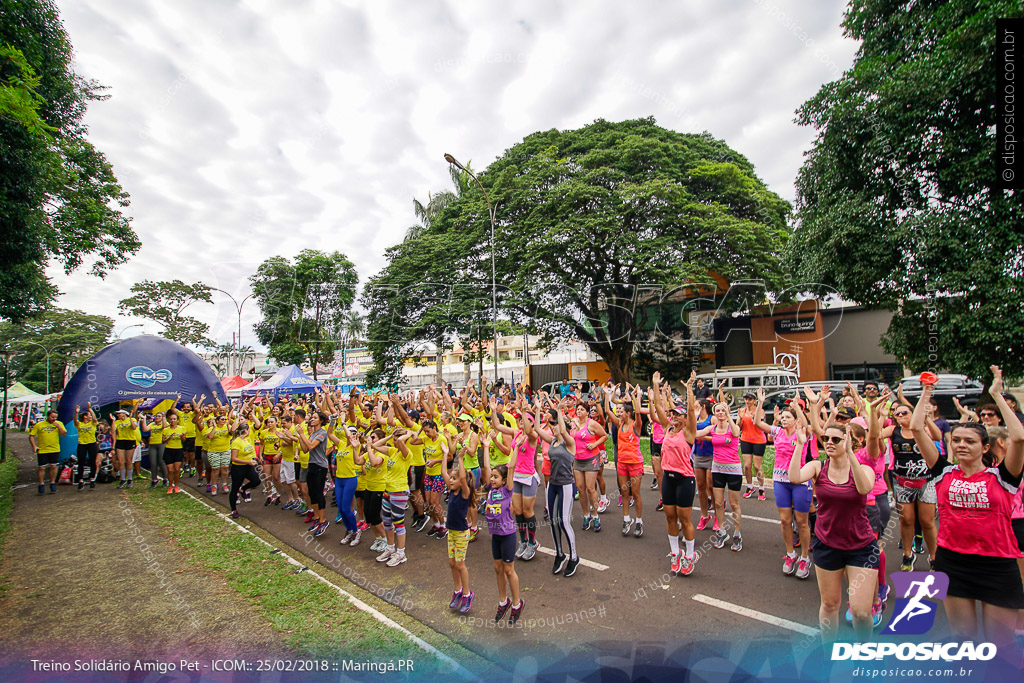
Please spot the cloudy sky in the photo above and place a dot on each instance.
(247, 128)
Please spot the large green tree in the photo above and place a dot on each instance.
(590, 221)
(59, 198)
(898, 202)
(304, 304)
(69, 336)
(165, 304)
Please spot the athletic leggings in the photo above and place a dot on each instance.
(394, 511)
(157, 466)
(87, 453)
(240, 473)
(344, 491)
(316, 477)
(560, 508)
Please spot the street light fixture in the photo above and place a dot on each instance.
(47, 352)
(494, 281)
(238, 307)
(7, 354)
(126, 328)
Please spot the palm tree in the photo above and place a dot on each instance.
(245, 353)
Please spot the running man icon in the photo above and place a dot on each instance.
(914, 613)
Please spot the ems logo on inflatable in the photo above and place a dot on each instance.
(141, 376)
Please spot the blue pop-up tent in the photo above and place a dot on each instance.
(142, 367)
(288, 380)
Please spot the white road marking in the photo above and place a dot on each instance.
(754, 614)
(586, 563)
(759, 519)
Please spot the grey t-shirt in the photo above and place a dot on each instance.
(318, 454)
(561, 464)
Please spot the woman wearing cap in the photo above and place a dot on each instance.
(588, 435)
(124, 446)
(703, 456)
(976, 545)
(629, 463)
(752, 446)
(726, 471)
(174, 452)
(348, 457)
(678, 483)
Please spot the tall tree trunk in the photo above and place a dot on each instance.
(618, 365)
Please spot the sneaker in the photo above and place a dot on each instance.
(337, 520)
(883, 595)
(586, 521)
(270, 499)
(201, 480)
(234, 514)
(193, 472)
(473, 533)
(456, 599)
(919, 545)
(571, 565)
(530, 552)
(931, 563)
(627, 525)
(385, 555)
(907, 565)
(749, 492)
(715, 526)
(209, 488)
(517, 612)
(803, 568)
(92, 484)
(433, 530)
(356, 537)
(127, 486)
(347, 538)
(308, 518)
(686, 565)
(638, 530)
(661, 505)
(654, 484)
(719, 538)
(603, 505)
(214, 491)
(467, 602)
(676, 562)
(502, 610)
(442, 533)
(81, 485)
(396, 559)
(559, 565)
(737, 543)
(760, 494)
(288, 505)
(876, 614)
(702, 524)
(247, 497)
(620, 501)
(378, 545)
(520, 549)
(302, 509)
(362, 526)
(120, 485)
(152, 484)
(788, 565)
(597, 525)
(225, 488)
(576, 495)
(170, 490)
(632, 502)
(422, 524)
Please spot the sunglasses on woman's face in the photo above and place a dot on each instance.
(987, 414)
(833, 439)
(901, 413)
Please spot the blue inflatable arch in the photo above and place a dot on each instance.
(141, 367)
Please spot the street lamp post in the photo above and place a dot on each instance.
(128, 327)
(238, 307)
(47, 352)
(7, 380)
(494, 281)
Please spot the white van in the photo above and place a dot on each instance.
(740, 379)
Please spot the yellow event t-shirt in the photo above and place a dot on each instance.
(416, 452)
(218, 439)
(173, 436)
(432, 450)
(156, 433)
(47, 437)
(246, 452)
(271, 442)
(398, 470)
(187, 423)
(124, 430)
(87, 432)
(287, 447)
(344, 458)
(301, 454)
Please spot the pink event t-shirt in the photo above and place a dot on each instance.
(675, 454)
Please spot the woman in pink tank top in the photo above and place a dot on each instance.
(524, 477)
(588, 435)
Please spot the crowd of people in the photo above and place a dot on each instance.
(444, 460)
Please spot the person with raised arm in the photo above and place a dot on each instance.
(629, 461)
(88, 449)
(678, 484)
(726, 471)
(977, 549)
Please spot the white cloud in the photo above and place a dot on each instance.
(248, 129)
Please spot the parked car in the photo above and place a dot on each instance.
(741, 379)
(948, 387)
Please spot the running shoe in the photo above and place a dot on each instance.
(247, 497)
(788, 565)
(502, 610)
(422, 523)
(362, 526)
(919, 545)
(719, 538)
(473, 533)
(883, 594)
(638, 530)
(520, 549)
(92, 483)
(575, 496)
(627, 525)
(442, 533)
(355, 538)
(127, 486)
(81, 485)
(270, 499)
(225, 488)
(803, 568)
(760, 494)
(530, 552)
(516, 612)
(586, 520)
(120, 485)
(152, 484)
(302, 509)
(876, 614)
(571, 565)
(209, 488)
(308, 518)
(749, 492)
(661, 505)
(467, 602)
(676, 561)
(386, 554)
(396, 559)
(559, 565)
(347, 538)
(214, 491)
(170, 490)
(737, 543)
(456, 599)
(632, 502)
(337, 520)
(314, 525)
(319, 531)
(686, 565)
(287, 506)
(603, 505)
(597, 525)
(234, 514)
(931, 565)
(715, 527)
(907, 565)
(620, 501)
(654, 484)
(277, 500)
(376, 545)
(201, 481)
(434, 530)
(193, 472)
(703, 523)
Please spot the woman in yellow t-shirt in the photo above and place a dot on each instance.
(218, 453)
(398, 460)
(124, 428)
(157, 466)
(435, 455)
(174, 451)
(347, 457)
(243, 467)
(286, 471)
(270, 451)
(88, 449)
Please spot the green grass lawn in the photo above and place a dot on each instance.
(8, 474)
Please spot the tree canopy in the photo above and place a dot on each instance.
(898, 202)
(588, 222)
(70, 337)
(165, 304)
(304, 304)
(59, 197)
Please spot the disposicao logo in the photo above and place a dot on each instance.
(141, 376)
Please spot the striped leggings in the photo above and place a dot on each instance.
(560, 508)
(394, 511)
